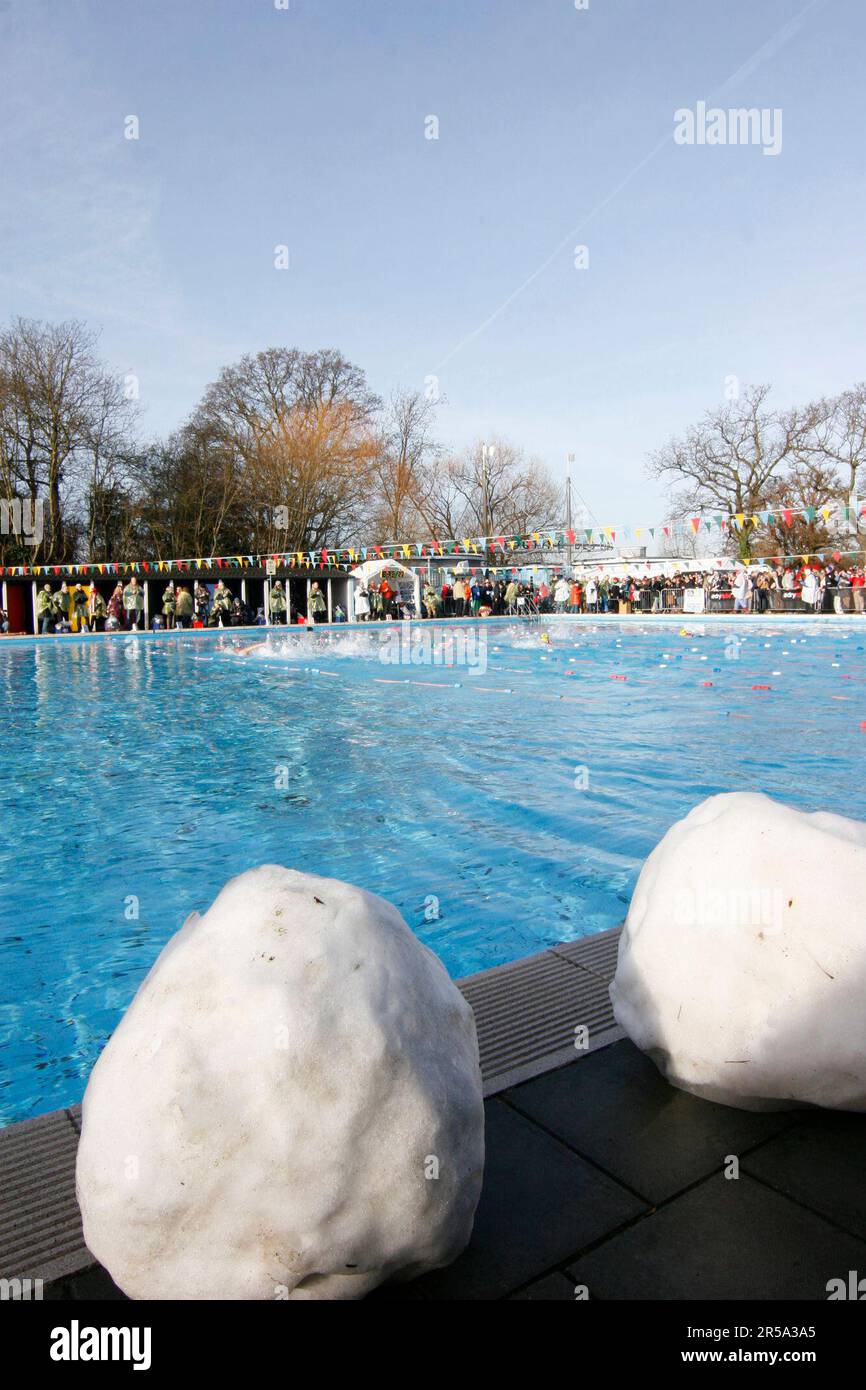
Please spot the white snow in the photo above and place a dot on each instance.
(742, 965)
(270, 1116)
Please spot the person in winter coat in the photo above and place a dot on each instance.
(277, 602)
(169, 603)
(79, 608)
(432, 601)
(115, 607)
(761, 593)
(133, 603)
(317, 604)
(362, 604)
(741, 590)
(45, 609)
(811, 590)
(96, 610)
(183, 607)
(222, 605)
(62, 604)
(239, 615)
(560, 595)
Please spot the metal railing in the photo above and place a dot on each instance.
(528, 608)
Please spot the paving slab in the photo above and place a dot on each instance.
(622, 1114)
(820, 1162)
(724, 1239)
(540, 1203)
(554, 1288)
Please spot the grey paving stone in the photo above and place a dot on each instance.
(722, 1240)
(553, 1287)
(617, 1109)
(86, 1284)
(820, 1162)
(539, 1204)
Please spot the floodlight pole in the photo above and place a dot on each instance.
(487, 452)
(569, 460)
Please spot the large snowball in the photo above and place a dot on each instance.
(291, 1106)
(742, 965)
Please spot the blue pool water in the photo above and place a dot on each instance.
(141, 773)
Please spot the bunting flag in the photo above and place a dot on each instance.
(344, 557)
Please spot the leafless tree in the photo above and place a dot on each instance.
(727, 462)
(404, 466)
(839, 440)
(490, 489)
(808, 485)
(64, 423)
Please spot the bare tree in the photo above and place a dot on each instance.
(795, 501)
(491, 490)
(63, 422)
(105, 473)
(839, 439)
(403, 469)
(727, 462)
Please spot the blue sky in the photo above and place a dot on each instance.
(454, 256)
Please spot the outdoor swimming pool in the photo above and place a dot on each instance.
(502, 806)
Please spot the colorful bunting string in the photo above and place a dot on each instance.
(484, 547)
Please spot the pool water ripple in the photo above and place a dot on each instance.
(140, 774)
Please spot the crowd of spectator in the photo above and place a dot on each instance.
(764, 589)
(83, 608)
(761, 589)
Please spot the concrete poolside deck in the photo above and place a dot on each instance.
(599, 1175)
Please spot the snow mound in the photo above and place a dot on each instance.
(291, 1106)
(742, 964)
